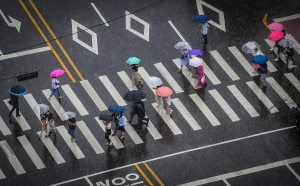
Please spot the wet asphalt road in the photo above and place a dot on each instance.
(175, 159)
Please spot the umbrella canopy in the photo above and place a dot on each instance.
(57, 73)
(201, 18)
(276, 26)
(17, 90)
(154, 81)
(275, 35)
(196, 52)
(250, 46)
(285, 43)
(68, 115)
(195, 62)
(182, 45)
(105, 117)
(134, 95)
(41, 109)
(116, 109)
(259, 59)
(164, 91)
(133, 61)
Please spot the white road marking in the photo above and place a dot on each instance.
(130, 16)
(144, 74)
(205, 110)
(215, 54)
(296, 45)
(2, 175)
(168, 120)
(175, 29)
(287, 99)
(93, 94)
(244, 102)
(12, 157)
(292, 170)
(3, 128)
(165, 73)
(31, 152)
(153, 131)
(112, 90)
(72, 145)
(295, 16)
(264, 99)
(293, 80)
(51, 148)
(21, 120)
(32, 103)
(14, 23)
(186, 114)
(24, 53)
(100, 15)
(132, 133)
(55, 104)
(241, 59)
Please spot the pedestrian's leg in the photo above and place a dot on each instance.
(52, 93)
(263, 80)
(58, 92)
(132, 113)
(158, 101)
(180, 70)
(116, 128)
(43, 127)
(204, 38)
(73, 134)
(47, 130)
(167, 110)
(17, 111)
(11, 111)
(53, 128)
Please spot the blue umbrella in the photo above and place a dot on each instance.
(201, 19)
(116, 109)
(17, 90)
(196, 52)
(133, 61)
(259, 59)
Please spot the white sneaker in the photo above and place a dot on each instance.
(73, 140)
(171, 111)
(271, 49)
(108, 143)
(167, 115)
(159, 106)
(276, 59)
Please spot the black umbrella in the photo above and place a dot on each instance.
(105, 117)
(134, 95)
(18, 90)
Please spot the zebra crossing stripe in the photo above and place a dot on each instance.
(74, 99)
(2, 175)
(51, 148)
(205, 110)
(112, 90)
(90, 137)
(296, 45)
(244, 102)
(241, 59)
(132, 133)
(32, 103)
(153, 131)
(271, 67)
(287, 99)
(165, 73)
(264, 99)
(224, 105)
(12, 157)
(31, 152)
(114, 139)
(171, 124)
(21, 120)
(72, 145)
(215, 54)
(293, 80)
(3, 128)
(186, 114)
(94, 96)
(55, 104)
(126, 80)
(145, 76)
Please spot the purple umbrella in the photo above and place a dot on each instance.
(196, 52)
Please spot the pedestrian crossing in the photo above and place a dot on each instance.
(204, 108)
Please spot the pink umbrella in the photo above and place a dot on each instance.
(275, 35)
(164, 91)
(276, 26)
(56, 73)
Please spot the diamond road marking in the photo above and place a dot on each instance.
(129, 16)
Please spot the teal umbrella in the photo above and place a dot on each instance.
(133, 61)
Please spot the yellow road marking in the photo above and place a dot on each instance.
(153, 174)
(265, 21)
(143, 174)
(56, 40)
(46, 40)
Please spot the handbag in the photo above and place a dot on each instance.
(255, 66)
(203, 79)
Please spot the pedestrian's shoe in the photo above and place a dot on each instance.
(18, 115)
(171, 111)
(131, 86)
(193, 76)
(276, 59)
(54, 133)
(48, 99)
(73, 140)
(122, 137)
(113, 134)
(179, 71)
(110, 143)
(59, 97)
(159, 106)
(129, 122)
(167, 115)
(271, 49)
(40, 135)
(46, 136)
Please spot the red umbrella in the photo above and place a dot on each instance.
(276, 35)
(56, 73)
(164, 91)
(276, 26)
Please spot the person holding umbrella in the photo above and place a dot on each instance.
(262, 69)
(121, 121)
(116, 110)
(48, 122)
(133, 62)
(276, 36)
(106, 119)
(203, 23)
(15, 92)
(201, 78)
(140, 109)
(55, 82)
(165, 92)
(71, 124)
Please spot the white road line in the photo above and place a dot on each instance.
(2, 175)
(32, 103)
(114, 139)
(3, 127)
(296, 45)
(264, 99)
(153, 131)
(132, 133)
(130, 16)
(100, 15)
(215, 54)
(74, 99)
(72, 145)
(55, 104)
(112, 90)
(205, 110)
(165, 73)
(171, 124)
(271, 67)
(12, 157)
(244, 102)
(293, 80)
(21, 120)
(126, 80)
(186, 72)
(177, 32)
(31, 152)
(186, 114)
(295, 16)
(94, 96)
(24, 53)
(226, 182)
(51, 148)
(287, 99)
(292, 170)
(90, 137)
(224, 105)
(241, 59)
(144, 74)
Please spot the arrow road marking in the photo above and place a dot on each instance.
(13, 23)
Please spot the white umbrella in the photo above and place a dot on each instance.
(250, 47)
(67, 115)
(285, 43)
(195, 62)
(41, 109)
(154, 81)
(182, 45)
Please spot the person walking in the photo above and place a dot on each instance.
(55, 87)
(71, 124)
(200, 72)
(117, 122)
(280, 49)
(135, 76)
(107, 132)
(47, 120)
(167, 105)
(44, 125)
(204, 30)
(262, 70)
(185, 58)
(14, 101)
(141, 115)
(134, 109)
(121, 126)
(289, 52)
(158, 99)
